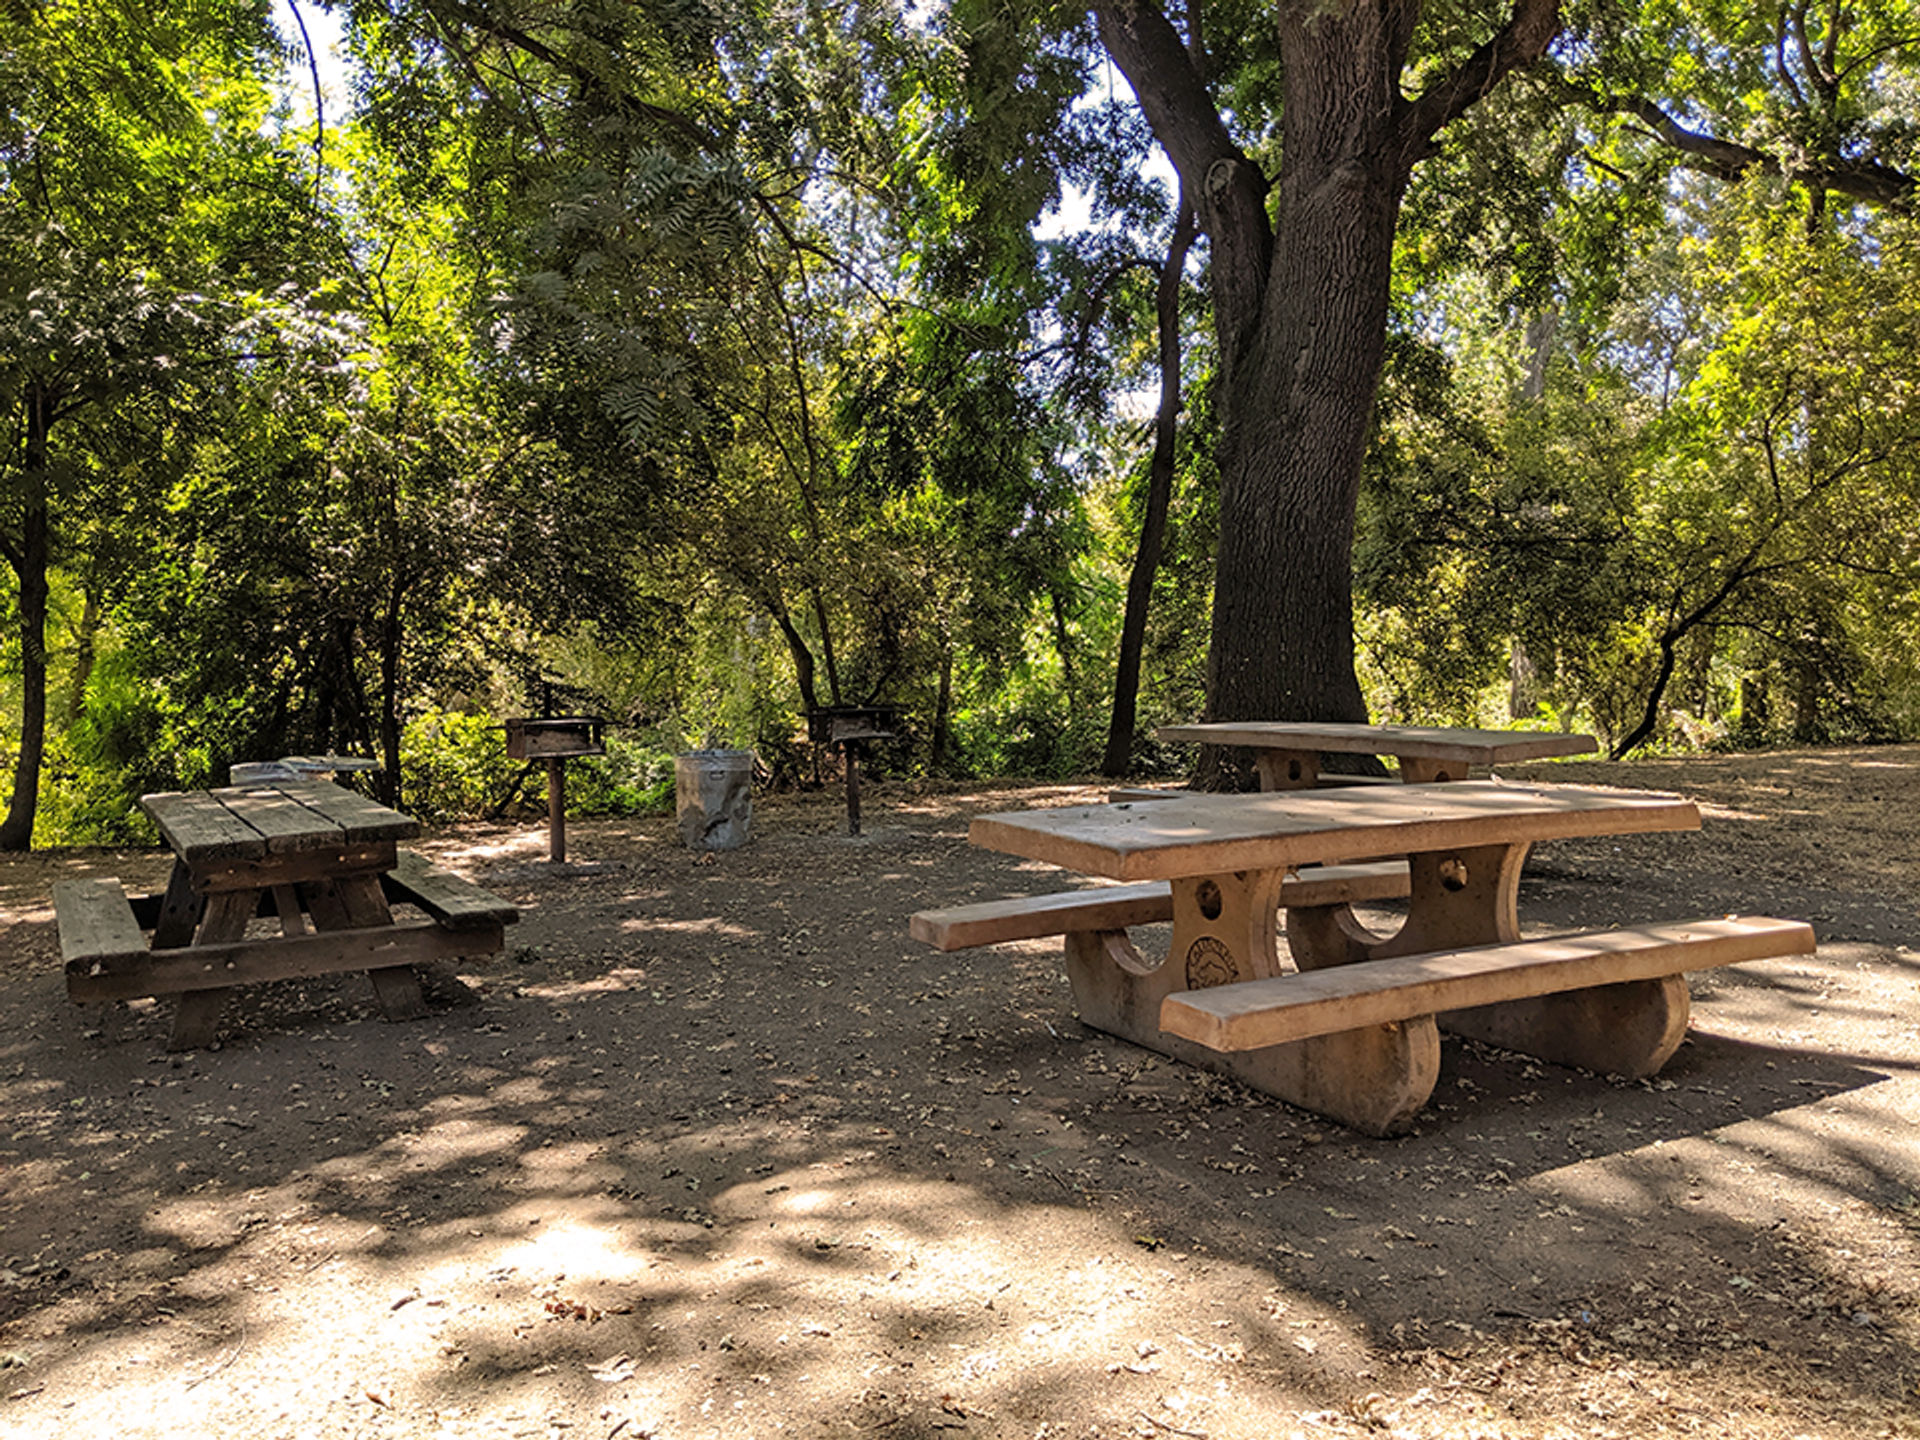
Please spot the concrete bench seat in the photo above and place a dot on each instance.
(1252, 1014)
(1117, 907)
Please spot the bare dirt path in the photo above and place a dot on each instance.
(716, 1150)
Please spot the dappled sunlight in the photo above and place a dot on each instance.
(624, 978)
(527, 844)
(705, 927)
(581, 1253)
(739, 1157)
(821, 1278)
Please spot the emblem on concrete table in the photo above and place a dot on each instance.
(1209, 962)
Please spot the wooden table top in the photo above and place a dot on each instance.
(276, 817)
(1474, 747)
(1192, 835)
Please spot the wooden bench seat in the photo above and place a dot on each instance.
(99, 933)
(218, 967)
(454, 903)
(1117, 907)
(107, 955)
(1252, 1014)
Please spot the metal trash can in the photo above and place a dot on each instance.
(713, 795)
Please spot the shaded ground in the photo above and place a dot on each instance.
(717, 1150)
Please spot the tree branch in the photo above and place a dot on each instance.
(319, 103)
(1520, 43)
(1859, 179)
(1228, 189)
(670, 121)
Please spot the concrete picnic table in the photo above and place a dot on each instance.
(1287, 753)
(1352, 1033)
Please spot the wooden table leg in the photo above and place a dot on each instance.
(179, 911)
(556, 812)
(1287, 769)
(1420, 770)
(1373, 1080)
(1376, 1079)
(361, 902)
(196, 1014)
(286, 904)
(1222, 931)
(1459, 897)
(1629, 1029)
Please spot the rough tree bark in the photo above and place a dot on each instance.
(1300, 308)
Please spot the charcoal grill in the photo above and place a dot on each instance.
(555, 740)
(848, 729)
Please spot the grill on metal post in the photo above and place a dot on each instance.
(555, 740)
(848, 728)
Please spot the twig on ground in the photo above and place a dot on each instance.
(1171, 1429)
(232, 1355)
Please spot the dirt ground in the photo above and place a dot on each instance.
(715, 1149)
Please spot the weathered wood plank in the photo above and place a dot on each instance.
(1257, 1013)
(1124, 794)
(1219, 834)
(364, 900)
(1102, 907)
(452, 901)
(96, 923)
(179, 909)
(243, 962)
(201, 829)
(196, 1019)
(397, 988)
(1117, 907)
(226, 917)
(286, 825)
(360, 818)
(294, 868)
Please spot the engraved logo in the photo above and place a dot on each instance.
(1208, 963)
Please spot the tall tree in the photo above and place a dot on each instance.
(1300, 280)
(1301, 221)
(128, 140)
(1153, 520)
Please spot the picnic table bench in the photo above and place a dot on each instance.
(322, 861)
(1351, 1030)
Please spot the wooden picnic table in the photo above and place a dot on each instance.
(320, 860)
(1351, 1031)
(1288, 753)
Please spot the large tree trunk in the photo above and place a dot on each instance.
(1296, 418)
(31, 560)
(1300, 309)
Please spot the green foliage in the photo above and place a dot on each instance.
(455, 765)
(708, 361)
